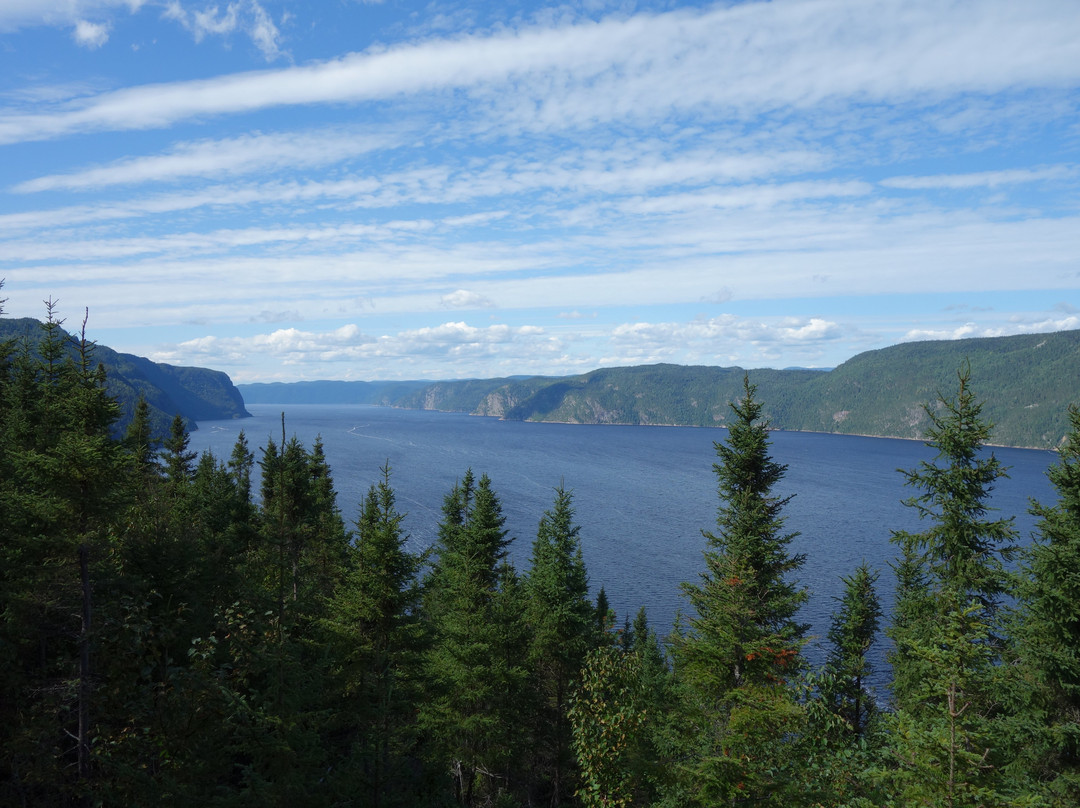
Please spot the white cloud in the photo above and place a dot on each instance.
(456, 343)
(215, 158)
(1025, 325)
(264, 33)
(718, 337)
(462, 299)
(737, 61)
(982, 179)
(90, 35)
(213, 20)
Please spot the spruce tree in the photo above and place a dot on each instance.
(562, 624)
(374, 636)
(842, 742)
(852, 633)
(470, 712)
(945, 733)
(61, 477)
(178, 460)
(1046, 630)
(738, 652)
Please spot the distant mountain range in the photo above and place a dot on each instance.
(1026, 384)
(198, 394)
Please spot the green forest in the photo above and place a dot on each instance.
(170, 636)
(1029, 381)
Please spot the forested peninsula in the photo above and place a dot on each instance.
(1028, 382)
(196, 394)
(171, 636)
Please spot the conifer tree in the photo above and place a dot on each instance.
(852, 633)
(945, 744)
(841, 746)
(375, 638)
(140, 444)
(473, 684)
(739, 650)
(562, 623)
(1046, 631)
(178, 459)
(60, 475)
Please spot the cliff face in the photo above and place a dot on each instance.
(198, 394)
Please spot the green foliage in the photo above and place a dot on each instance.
(948, 728)
(474, 664)
(375, 638)
(607, 716)
(852, 633)
(1046, 633)
(165, 640)
(738, 655)
(563, 630)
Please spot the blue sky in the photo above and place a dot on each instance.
(345, 190)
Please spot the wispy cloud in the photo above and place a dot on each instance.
(215, 158)
(982, 179)
(213, 20)
(637, 67)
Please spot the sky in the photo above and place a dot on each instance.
(297, 189)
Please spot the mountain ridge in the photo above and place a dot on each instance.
(1026, 383)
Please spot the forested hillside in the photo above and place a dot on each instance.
(168, 636)
(1029, 381)
(197, 394)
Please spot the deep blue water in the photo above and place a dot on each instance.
(643, 495)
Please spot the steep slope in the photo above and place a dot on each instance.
(1026, 383)
(198, 394)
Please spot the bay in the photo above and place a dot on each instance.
(642, 494)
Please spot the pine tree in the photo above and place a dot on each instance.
(948, 639)
(737, 654)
